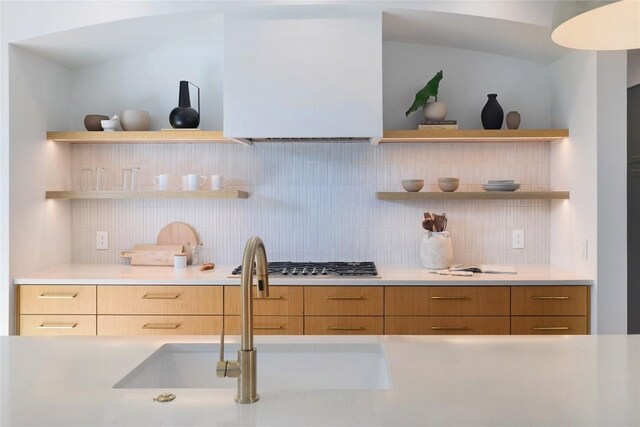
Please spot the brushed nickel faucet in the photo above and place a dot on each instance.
(245, 367)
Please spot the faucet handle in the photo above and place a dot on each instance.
(222, 346)
(224, 368)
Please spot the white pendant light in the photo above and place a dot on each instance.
(597, 25)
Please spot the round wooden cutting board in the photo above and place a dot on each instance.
(179, 233)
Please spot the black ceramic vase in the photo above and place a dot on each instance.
(492, 114)
(183, 116)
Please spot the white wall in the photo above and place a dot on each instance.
(38, 101)
(633, 67)
(612, 192)
(468, 77)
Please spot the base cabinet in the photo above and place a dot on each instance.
(447, 325)
(57, 324)
(344, 325)
(159, 325)
(549, 325)
(266, 325)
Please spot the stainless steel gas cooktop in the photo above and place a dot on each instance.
(318, 269)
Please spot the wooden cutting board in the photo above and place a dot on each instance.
(152, 254)
(179, 233)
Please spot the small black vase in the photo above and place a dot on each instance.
(492, 114)
(183, 116)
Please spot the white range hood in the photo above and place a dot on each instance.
(293, 74)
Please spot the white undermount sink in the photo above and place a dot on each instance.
(280, 367)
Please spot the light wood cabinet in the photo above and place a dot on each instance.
(266, 325)
(343, 325)
(549, 325)
(447, 325)
(192, 300)
(282, 301)
(447, 300)
(57, 324)
(343, 300)
(57, 299)
(549, 300)
(159, 325)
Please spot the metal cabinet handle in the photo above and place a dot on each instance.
(258, 299)
(160, 296)
(344, 328)
(345, 298)
(161, 326)
(57, 325)
(448, 328)
(268, 327)
(449, 298)
(543, 297)
(551, 328)
(57, 295)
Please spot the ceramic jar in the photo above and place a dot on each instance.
(436, 251)
(492, 114)
(513, 120)
(92, 121)
(183, 116)
(435, 111)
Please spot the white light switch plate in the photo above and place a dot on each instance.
(102, 240)
(517, 239)
(584, 250)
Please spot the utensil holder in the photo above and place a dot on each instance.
(436, 251)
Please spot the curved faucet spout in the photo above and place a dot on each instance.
(254, 251)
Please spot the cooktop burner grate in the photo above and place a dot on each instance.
(319, 269)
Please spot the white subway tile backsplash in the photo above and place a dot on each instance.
(316, 201)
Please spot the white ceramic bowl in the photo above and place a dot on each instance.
(135, 120)
(448, 185)
(413, 185)
(109, 125)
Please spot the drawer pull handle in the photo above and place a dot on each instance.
(448, 328)
(161, 326)
(160, 296)
(549, 297)
(551, 328)
(268, 327)
(57, 325)
(344, 328)
(280, 297)
(57, 295)
(449, 298)
(345, 298)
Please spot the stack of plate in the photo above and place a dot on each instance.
(501, 185)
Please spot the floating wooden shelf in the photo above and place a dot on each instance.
(139, 137)
(221, 194)
(475, 195)
(480, 135)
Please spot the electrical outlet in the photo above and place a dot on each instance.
(517, 239)
(584, 250)
(102, 240)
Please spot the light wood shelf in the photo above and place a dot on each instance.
(221, 194)
(139, 137)
(475, 135)
(474, 195)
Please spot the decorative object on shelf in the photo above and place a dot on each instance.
(492, 114)
(501, 185)
(135, 120)
(448, 185)
(218, 182)
(183, 116)
(436, 251)
(513, 120)
(438, 124)
(110, 125)
(162, 181)
(92, 122)
(412, 185)
(431, 110)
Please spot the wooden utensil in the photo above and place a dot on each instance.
(152, 254)
(178, 233)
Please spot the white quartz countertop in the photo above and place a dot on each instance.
(119, 274)
(436, 381)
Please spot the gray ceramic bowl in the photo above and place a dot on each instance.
(92, 121)
(413, 185)
(448, 185)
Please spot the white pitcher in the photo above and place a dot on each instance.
(436, 252)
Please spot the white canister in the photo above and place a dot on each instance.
(180, 261)
(436, 252)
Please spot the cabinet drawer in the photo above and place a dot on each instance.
(159, 325)
(282, 300)
(447, 325)
(549, 325)
(447, 300)
(549, 300)
(74, 324)
(343, 325)
(266, 325)
(185, 300)
(51, 299)
(343, 300)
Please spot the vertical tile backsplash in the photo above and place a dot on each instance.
(317, 201)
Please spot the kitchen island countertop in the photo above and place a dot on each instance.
(120, 274)
(446, 380)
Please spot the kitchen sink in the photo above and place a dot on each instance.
(280, 367)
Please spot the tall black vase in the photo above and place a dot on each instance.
(492, 114)
(183, 116)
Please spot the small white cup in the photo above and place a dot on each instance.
(218, 182)
(162, 182)
(180, 261)
(195, 182)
